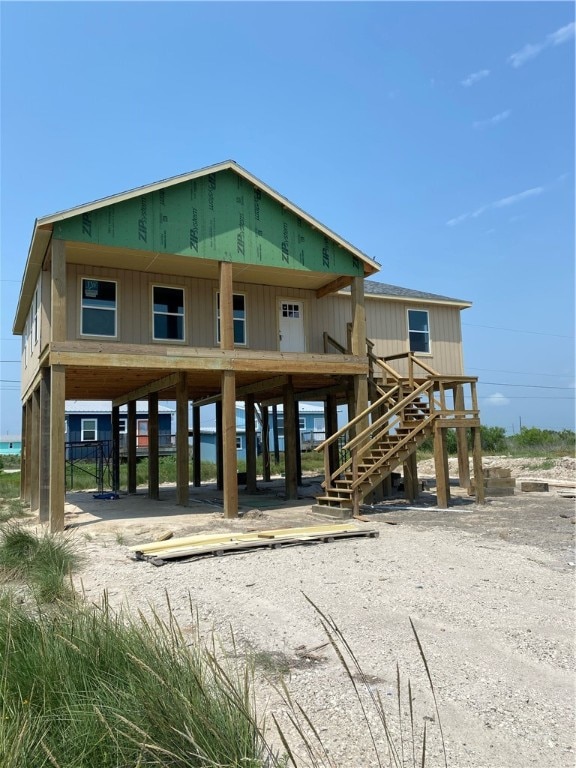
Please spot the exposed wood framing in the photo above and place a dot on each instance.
(44, 480)
(182, 451)
(142, 392)
(153, 447)
(411, 477)
(250, 425)
(35, 441)
(250, 389)
(230, 479)
(462, 441)
(477, 464)
(336, 285)
(131, 447)
(115, 448)
(196, 449)
(290, 447)
(265, 413)
(441, 468)
(57, 494)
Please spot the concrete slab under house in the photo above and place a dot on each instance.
(213, 288)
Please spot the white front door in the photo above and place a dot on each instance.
(291, 326)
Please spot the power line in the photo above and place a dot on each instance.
(516, 330)
(530, 386)
(526, 373)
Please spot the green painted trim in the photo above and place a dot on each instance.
(220, 217)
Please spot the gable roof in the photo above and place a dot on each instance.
(43, 226)
(374, 289)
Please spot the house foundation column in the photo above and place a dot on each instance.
(290, 447)
(219, 447)
(330, 427)
(462, 441)
(358, 347)
(229, 444)
(35, 451)
(196, 449)
(44, 479)
(250, 423)
(477, 465)
(441, 468)
(115, 448)
(411, 477)
(265, 443)
(229, 450)
(131, 446)
(153, 447)
(57, 492)
(182, 451)
(27, 450)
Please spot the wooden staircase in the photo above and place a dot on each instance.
(404, 412)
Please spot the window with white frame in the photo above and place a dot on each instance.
(419, 331)
(239, 317)
(168, 313)
(301, 423)
(98, 307)
(123, 426)
(238, 443)
(88, 429)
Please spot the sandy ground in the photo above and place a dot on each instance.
(489, 588)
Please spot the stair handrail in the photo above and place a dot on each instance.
(395, 449)
(355, 420)
(391, 418)
(388, 415)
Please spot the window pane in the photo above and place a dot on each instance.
(169, 300)
(98, 307)
(419, 342)
(239, 332)
(418, 320)
(98, 322)
(168, 327)
(238, 303)
(98, 293)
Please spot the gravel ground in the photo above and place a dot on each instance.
(489, 588)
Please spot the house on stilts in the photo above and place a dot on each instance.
(211, 287)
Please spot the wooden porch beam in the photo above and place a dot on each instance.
(141, 393)
(249, 389)
(335, 285)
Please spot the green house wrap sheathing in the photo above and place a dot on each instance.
(218, 216)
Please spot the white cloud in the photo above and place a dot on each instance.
(531, 50)
(500, 117)
(562, 35)
(516, 198)
(475, 77)
(497, 399)
(502, 203)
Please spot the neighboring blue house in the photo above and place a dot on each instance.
(208, 438)
(90, 421)
(311, 420)
(10, 445)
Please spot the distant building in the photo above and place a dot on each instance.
(10, 445)
(90, 421)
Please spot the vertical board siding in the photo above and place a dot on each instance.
(386, 321)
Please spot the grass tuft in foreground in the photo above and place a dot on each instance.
(84, 687)
(44, 561)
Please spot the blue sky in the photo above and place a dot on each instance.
(436, 137)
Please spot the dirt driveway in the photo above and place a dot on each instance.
(490, 589)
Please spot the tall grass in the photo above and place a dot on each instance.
(43, 561)
(86, 687)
